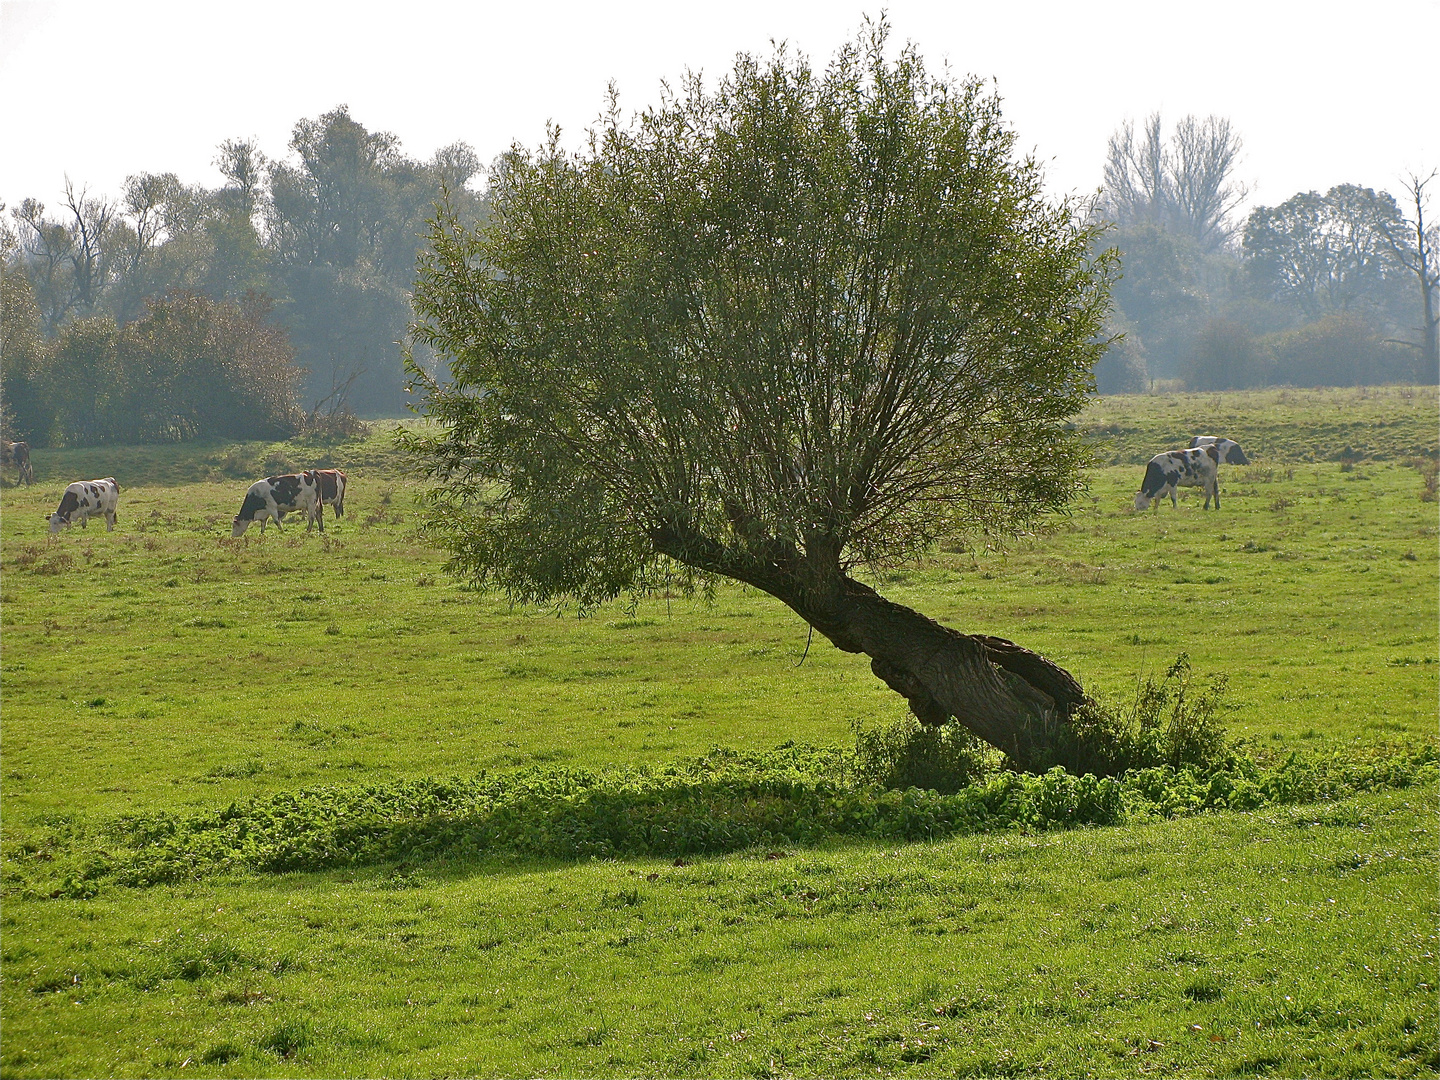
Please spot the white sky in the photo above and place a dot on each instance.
(1321, 92)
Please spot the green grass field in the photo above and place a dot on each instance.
(165, 671)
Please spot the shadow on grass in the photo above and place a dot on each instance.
(721, 803)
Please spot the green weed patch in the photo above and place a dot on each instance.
(719, 803)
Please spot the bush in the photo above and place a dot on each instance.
(1338, 350)
(1169, 724)
(1226, 356)
(907, 754)
(1429, 469)
(342, 425)
(722, 802)
(1122, 368)
(27, 414)
(192, 368)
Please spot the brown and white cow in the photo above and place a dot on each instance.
(1180, 468)
(85, 499)
(18, 454)
(332, 489)
(275, 496)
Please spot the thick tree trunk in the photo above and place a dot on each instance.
(1011, 697)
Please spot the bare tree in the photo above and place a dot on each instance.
(92, 221)
(1136, 180)
(1185, 186)
(46, 247)
(1204, 154)
(1422, 258)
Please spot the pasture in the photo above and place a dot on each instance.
(165, 672)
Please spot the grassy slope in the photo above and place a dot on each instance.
(1109, 952)
(164, 666)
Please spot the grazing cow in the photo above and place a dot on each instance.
(19, 454)
(85, 499)
(275, 496)
(1180, 468)
(1230, 452)
(332, 489)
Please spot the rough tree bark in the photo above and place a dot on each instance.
(1011, 697)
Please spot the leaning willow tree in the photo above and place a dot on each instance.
(798, 325)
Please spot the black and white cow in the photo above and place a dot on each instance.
(1230, 452)
(272, 498)
(85, 499)
(332, 489)
(1180, 468)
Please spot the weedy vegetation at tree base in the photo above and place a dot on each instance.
(306, 806)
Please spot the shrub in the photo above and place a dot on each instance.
(1122, 369)
(907, 754)
(1429, 469)
(1169, 723)
(1338, 350)
(721, 802)
(342, 425)
(1226, 356)
(191, 368)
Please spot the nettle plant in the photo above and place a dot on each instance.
(797, 325)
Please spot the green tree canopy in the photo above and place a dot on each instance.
(344, 222)
(1328, 254)
(799, 323)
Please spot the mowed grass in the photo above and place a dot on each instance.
(167, 668)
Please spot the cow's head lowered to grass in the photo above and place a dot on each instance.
(85, 499)
(275, 496)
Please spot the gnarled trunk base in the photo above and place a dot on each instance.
(1011, 697)
(1007, 695)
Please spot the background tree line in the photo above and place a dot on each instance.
(1332, 289)
(1336, 289)
(289, 285)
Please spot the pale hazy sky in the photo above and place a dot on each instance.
(1321, 92)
